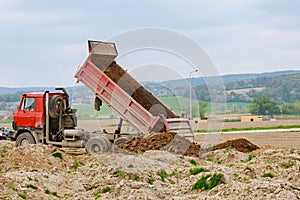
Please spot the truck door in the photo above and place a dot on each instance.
(26, 114)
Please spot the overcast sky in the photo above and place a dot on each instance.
(43, 42)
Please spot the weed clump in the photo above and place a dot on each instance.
(269, 174)
(193, 162)
(22, 195)
(287, 164)
(208, 182)
(150, 180)
(164, 175)
(196, 171)
(58, 155)
(32, 186)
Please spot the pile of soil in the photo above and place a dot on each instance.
(165, 141)
(171, 142)
(241, 145)
(33, 157)
(137, 92)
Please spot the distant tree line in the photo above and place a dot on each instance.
(11, 97)
(264, 105)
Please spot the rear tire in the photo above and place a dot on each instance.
(25, 139)
(117, 142)
(96, 144)
(120, 140)
(56, 104)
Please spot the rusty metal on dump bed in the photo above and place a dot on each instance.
(92, 74)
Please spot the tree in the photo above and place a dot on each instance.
(290, 109)
(264, 105)
(202, 108)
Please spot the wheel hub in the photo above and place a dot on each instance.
(25, 142)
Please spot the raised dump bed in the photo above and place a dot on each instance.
(123, 94)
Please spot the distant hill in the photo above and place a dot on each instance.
(283, 86)
(5, 90)
(229, 78)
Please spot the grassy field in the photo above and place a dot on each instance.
(177, 104)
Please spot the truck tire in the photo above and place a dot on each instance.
(100, 134)
(108, 143)
(25, 139)
(56, 104)
(117, 142)
(96, 145)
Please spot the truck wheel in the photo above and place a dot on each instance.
(120, 140)
(108, 143)
(25, 139)
(100, 134)
(96, 145)
(56, 104)
(117, 142)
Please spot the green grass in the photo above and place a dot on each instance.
(249, 158)
(136, 178)
(232, 120)
(22, 195)
(32, 186)
(164, 175)
(193, 162)
(130, 166)
(203, 182)
(87, 111)
(58, 155)
(5, 121)
(120, 174)
(51, 193)
(287, 164)
(176, 103)
(250, 128)
(196, 171)
(179, 104)
(229, 148)
(12, 187)
(269, 174)
(75, 165)
(106, 189)
(151, 180)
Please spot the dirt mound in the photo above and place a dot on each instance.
(166, 141)
(33, 157)
(35, 173)
(136, 91)
(240, 144)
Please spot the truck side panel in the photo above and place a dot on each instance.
(117, 98)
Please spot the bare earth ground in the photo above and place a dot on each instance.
(284, 139)
(269, 173)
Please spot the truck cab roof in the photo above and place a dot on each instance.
(40, 94)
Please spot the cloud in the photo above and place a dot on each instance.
(240, 36)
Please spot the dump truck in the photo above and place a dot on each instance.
(47, 117)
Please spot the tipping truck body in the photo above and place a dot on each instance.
(124, 95)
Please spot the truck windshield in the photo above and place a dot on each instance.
(28, 104)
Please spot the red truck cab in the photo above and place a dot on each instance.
(30, 113)
(30, 120)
